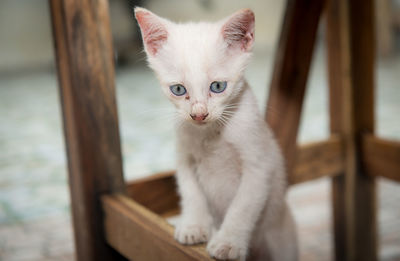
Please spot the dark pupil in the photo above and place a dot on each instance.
(217, 86)
(178, 89)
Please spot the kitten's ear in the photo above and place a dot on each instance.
(153, 28)
(238, 30)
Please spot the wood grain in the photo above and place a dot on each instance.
(85, 67)
(157, 192)
(317, 160)
(381, 157)
(338, 54)
(362, 47)
(291, 67)
(139, 234)
(350, 38)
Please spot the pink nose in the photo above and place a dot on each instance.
(199, 117)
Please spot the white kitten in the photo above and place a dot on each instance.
(231, 175)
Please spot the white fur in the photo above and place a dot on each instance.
(231, 175)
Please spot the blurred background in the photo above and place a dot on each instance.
(35, 221)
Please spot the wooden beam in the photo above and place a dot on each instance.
(139, 234)
(157, 192)
(338, 56)
(84, 55)
(314, 160)
(381, 157)
(291, 66)
(362, 47)
(350, 39)
(317, 160)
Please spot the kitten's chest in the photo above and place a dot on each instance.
(217, 169)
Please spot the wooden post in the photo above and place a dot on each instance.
(292, 63)
(84, 54)
(351, 49)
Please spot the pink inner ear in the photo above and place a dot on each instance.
(239, 29)
(154, 32)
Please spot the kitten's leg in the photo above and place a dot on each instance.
(195, 223)
(281, 235)
(232, 239)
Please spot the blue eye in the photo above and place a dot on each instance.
(218, 87)
(178, 89)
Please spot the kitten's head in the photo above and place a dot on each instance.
(200, 65)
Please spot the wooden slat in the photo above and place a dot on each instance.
(314, 160)
(139, 234)
(291, 66)
(84, 55)
(318, 159)
(157, 192)
(350, 37)
(338, 54)
(381, 157)
(362, 47)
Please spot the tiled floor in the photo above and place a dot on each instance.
(34, 202)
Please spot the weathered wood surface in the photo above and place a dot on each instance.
(84, 55)
(157, 192)
(338, 51)
(350, 38)
(140, 234)
(317, 160)
(381, 157)
(291, 66)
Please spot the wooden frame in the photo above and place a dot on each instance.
(350, 38)
(86, 75)
(113, 220)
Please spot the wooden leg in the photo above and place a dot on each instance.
(362, 31)
(292, 63)
(86, 76)
(350, 39)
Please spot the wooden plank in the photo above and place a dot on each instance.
(291, 66)
(362, 47)
(314, 160)
(139, 234)
(157, 192)
(338, 55)
(350, 38)
(86, 76)
(381, 157)
(318, 159)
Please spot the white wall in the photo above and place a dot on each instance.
(268, 14)
(25, 38)
(25, 30)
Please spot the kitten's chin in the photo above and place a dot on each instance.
(200, 123)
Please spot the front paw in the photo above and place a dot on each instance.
(224, 248)
(192, 234)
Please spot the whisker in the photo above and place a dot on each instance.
(224, 120)
(219, 123)
(229, 112)
(263, 108)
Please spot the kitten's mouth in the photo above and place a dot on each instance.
(199, 119)
(199, 123)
